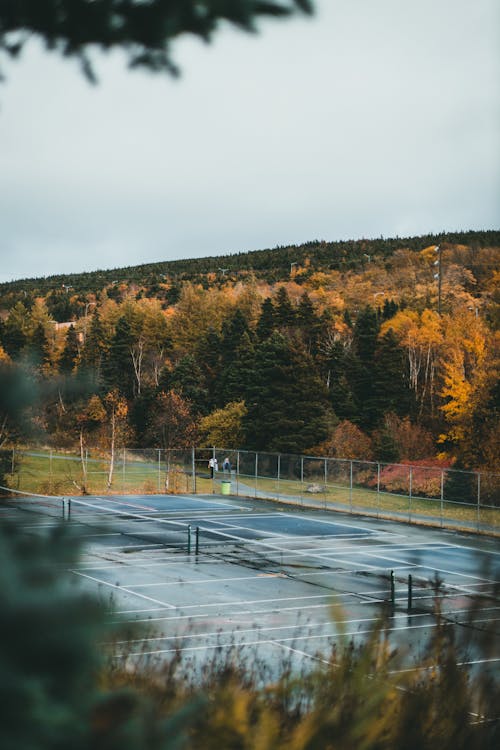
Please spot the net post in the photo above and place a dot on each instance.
(197, 540)
(393, 590)
(410, 592)
(189, 539)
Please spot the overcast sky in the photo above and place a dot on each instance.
(376, 117)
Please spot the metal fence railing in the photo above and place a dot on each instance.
(414, 493)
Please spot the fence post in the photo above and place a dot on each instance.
(378, 489)
(213, 470)
(302, 480)
(410, 488)
(279, 472)
(256, 473)
(442, 497)
(237, 473)
(350, 486)
(189, 539)
(393, 590)
(123, 469)
(478, 499)
(410, 592)
(326, 480)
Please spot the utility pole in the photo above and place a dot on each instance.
(438, 275)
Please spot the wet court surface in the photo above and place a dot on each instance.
(207, 573)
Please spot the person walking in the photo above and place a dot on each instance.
(213, 466)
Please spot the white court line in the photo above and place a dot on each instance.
(260, 642)
(115, 501)
(271, 628)
(427, 667)
(302, 610)
(277, 601)
(429, 566)
(195, 581)
(241, 603)
(313, 657)
(197, 499)
(121, 588)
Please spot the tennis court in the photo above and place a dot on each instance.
(210, 574)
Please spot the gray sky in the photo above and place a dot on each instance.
(376, 117)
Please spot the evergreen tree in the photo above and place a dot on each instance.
(309, 324)
(390, 383)
(365, 334)
(188, 380)
(94, 349)
(390, 309)
(118, 369)
(15, 332)
(60, 306)
(339, 366)
(232, 334)
(287, 403)
(208, 354)
(236, 377)
(284, 312)
(361, 376)
(38, 352)
(70, 353)
(266, 323)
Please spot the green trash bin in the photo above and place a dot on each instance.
(225, 487)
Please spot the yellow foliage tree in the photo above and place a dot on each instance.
(223, 427)
(470, 368)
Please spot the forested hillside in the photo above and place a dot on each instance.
(386, 349)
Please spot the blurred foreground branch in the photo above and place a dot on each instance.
(143, 30)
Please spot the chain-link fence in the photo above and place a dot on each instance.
(424, 494)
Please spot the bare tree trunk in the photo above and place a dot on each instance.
(137, 353)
